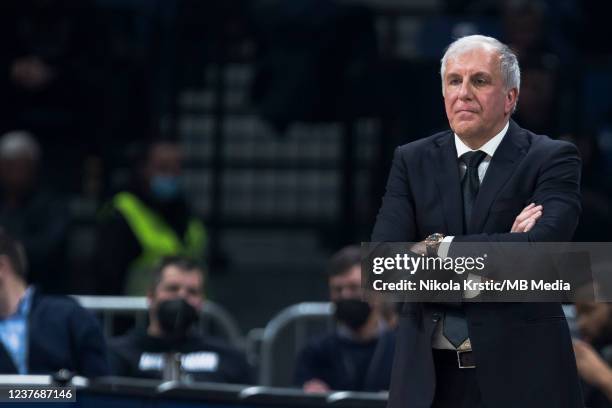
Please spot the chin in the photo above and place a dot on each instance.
(465, 130)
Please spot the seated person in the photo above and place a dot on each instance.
(594, 352)
(358, 355)
(43, 334)
(175, 299)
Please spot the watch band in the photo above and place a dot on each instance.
(432, 243)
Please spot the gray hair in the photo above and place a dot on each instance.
(19, 143)
(509, 65)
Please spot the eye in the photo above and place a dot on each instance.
(454, 81)
(481, 81)
(172, 288)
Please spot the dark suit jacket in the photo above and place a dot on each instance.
(328, 358)
(62, 334)
(523, 351)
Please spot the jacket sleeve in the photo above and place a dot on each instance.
(396, 218)
(118, 365)
(306, 366)
(89, 346)
(558, 191)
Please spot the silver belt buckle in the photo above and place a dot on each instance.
(459, 353)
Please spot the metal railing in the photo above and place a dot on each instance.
(299, 314)
(110, 306)
(139, 392)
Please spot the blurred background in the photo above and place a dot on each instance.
(286, 113)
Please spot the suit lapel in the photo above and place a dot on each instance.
(444, 158)
(6, 361)
(507, 156)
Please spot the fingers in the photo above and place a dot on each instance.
(528, 212)
(530, 222)
(527, 224)
(526, 220)
(315, 386)
(519, 218)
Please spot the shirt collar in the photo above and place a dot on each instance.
(489, 148)
(23, 308)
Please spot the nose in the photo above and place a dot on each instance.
(465, 92)
(182, 293)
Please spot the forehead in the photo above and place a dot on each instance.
(350, 276)
(164, 152)
(480, 59)
(173, 275)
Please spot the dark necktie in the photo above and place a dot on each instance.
(470, 183)
(455, 326)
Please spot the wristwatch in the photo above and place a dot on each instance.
(432, 243)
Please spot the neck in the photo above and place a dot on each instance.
(14, 292)
(475, 142)
(154, 329)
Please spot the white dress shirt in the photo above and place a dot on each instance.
(439, 341)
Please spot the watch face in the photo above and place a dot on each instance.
(434, 238)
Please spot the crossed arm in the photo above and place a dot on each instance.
(557, 189)
(523, 222)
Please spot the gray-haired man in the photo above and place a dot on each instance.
(482, 354)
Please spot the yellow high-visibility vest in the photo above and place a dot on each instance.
(157, 239)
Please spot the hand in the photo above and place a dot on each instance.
(419, 248)
(527, 218)
(591, 367)
(315, 386)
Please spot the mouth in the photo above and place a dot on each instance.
(466, 114)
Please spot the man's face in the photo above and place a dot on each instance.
(164, 159)
(178, 283)
(475, 97)
(346, 285)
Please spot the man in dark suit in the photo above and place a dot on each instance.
(485, 181)
(42, 334)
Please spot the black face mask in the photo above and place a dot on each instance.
(352, 312)
(176, 317)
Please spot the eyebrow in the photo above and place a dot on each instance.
(479, 73)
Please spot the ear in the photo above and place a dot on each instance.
(510, 100)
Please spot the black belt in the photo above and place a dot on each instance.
(457, 358)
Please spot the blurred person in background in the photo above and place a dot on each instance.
(594, 352)
(358, 355)
(149, 220)
(539, 94)
(42, 334)
(175, 300)
(540, 33)
(51, 59)
(596, 218)
(34, 215)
